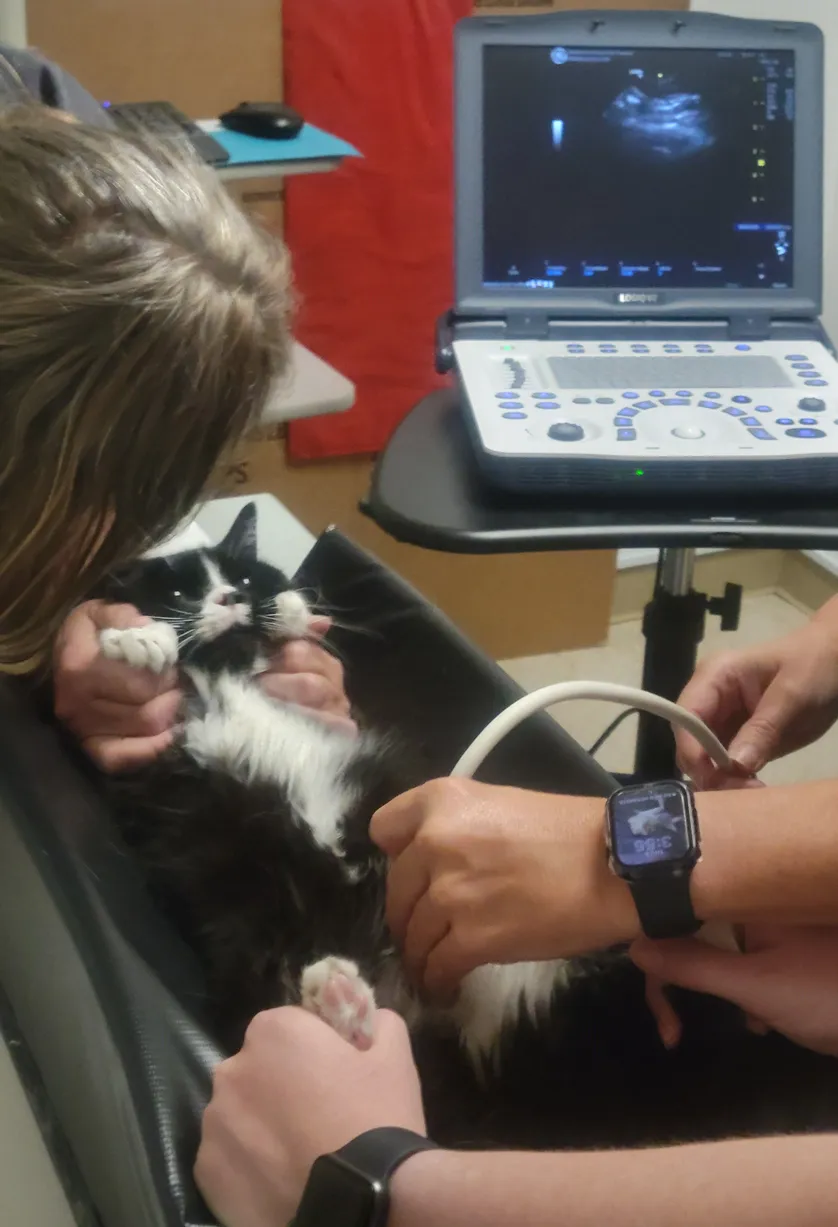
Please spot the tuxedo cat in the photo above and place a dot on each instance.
(254, 825)
(252, 831)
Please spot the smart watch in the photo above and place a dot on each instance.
(653, 845)
(351, 1188)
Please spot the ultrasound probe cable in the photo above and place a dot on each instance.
(563, 692)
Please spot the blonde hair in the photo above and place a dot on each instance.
(143, 323)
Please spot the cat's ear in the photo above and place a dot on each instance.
(240, 541)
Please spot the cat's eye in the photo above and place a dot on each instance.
(245, 582)
(176, 593)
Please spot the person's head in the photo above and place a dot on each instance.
(143, 324)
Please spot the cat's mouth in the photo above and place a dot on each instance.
(219, 619)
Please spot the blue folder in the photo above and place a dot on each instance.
(311, 144)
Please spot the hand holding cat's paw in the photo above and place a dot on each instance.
(334, 991)
(153, 647)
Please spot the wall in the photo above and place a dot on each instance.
(823, 13)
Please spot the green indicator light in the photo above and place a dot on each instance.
(638, 472)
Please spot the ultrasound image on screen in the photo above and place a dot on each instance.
(638, 168)
(649, 827)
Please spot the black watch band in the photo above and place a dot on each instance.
(379, 1152)
(664, 905)
(371, 1158)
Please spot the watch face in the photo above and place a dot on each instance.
(652, 825)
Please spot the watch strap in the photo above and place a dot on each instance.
(374, 1156)
(664, 905)
(378, 1152)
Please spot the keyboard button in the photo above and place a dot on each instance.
(631, 395)
(674, 400)
(803, 366)
(566, 432)
(605, 400)
(501, 396)
(626, 436)
(808, 421)
(627, 411)
(623, 422)
(672, 349)
(608, 349)
(796, 358)
(683, 394)
(764, 409)
(704, 349)
(741, 400)
(735, 413)
(811, 404)
(806, 432)
(640, 349)
(657, 395)
(688, 432)
(713, 395)
(514, 414)
(743, 348)
(543, 395)
(785, 421)
(759, 433)
(814, 375)
(815, 383)
(511, 404)
(644, 404)
(708, 404)
(750, 422)
(582, 400)
(546, 404)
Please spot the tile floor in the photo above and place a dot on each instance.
(30, 1195)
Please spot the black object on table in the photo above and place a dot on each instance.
(427, 491)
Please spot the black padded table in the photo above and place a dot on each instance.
(427, 491)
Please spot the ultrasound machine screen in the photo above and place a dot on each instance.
(638, 167)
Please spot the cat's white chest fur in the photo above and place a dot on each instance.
(251, 737)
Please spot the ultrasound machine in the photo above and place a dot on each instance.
(639, 255)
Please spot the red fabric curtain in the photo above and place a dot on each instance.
(372, 242)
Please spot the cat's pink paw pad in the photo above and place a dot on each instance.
(334, 990)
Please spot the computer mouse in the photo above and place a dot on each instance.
(273, 121)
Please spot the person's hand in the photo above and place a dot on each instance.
(297, 1091)
(124, 717)
(304, 673)
(787, 979)
(762, 703)
(483, 874)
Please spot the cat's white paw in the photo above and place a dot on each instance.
(293, 616)
(334, 990)
(152, 647)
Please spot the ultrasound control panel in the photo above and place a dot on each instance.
(681, 416)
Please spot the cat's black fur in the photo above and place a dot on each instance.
(259, 900)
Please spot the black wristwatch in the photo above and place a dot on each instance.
(351, 1188)
(653, 845)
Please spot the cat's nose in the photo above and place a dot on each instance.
(233, 597)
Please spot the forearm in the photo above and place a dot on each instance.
(769, 854)
(771, 1182)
